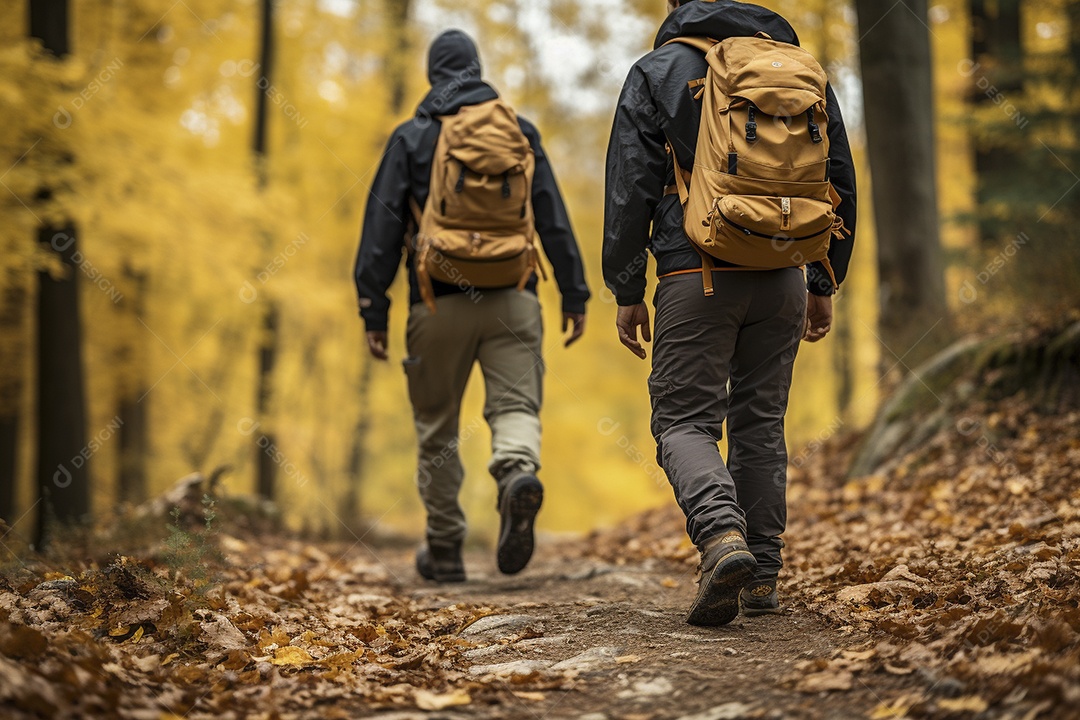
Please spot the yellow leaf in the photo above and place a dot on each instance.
(119, 631)
(526, 695)
(968, 703)
(884, 712)
(427, 700)
(169, 658)
(138, 635)
(291, 656)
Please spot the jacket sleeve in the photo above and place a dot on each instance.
(556, 235)
(636, 171)
(842, 173)
(383, 236)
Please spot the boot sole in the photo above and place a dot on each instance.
(758, 612)
(718, 603)
(520, 506)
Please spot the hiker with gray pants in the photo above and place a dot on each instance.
(467, 194)
(728, 160)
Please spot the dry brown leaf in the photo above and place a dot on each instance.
(897, 709)
(968, 703)
(825, 681)
(427, 700)
(628, 659)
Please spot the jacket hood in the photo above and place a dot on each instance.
(452, 55)
(454, 73)
(722, 19)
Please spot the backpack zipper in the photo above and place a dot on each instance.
(748, 231)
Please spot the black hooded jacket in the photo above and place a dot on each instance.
(454, 73)
(656, 105)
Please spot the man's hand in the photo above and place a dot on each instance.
(575, 322)
(628, 320)
(818, 317)
(376, 342)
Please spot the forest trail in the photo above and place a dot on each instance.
(946, 584)
(617, 631)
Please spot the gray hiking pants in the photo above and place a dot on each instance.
(728, 356)
(501, 330)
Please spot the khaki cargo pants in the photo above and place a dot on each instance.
(502, 330)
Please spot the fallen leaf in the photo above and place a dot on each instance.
(427, 700)
(527, 695)
(292, 656)
(628, 659)
(825, 682)
(897, 709)
(968, 703)
(221, 635)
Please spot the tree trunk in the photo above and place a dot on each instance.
(998, 72)
(894, 54)
(63, 454)
(134, 447)
(13, 336)
(399, 58)
(266, 469)
(9, 464)
(131, 484)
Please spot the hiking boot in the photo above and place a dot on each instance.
(441, 562)
(726, 567)
(759, 598)
(519, 501)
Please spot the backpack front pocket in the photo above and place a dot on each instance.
(768, 232)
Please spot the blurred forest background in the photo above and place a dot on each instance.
(183, 186)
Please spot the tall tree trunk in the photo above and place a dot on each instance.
(894, 51)
(399, 58)
(9, 463)
(266, 469)
(132, 412)
(12, 335)
(998, 72)
(62, 458)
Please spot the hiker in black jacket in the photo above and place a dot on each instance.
(499, 328)
(727, 356)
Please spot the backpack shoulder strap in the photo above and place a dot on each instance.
(700, 42)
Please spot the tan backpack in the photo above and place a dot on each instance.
(759, 195)
(476, 229)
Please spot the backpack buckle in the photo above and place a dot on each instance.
(751, 125)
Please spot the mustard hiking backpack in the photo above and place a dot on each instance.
(759, 194)
(477, 229)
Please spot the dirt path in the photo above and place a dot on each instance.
(619, 632)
